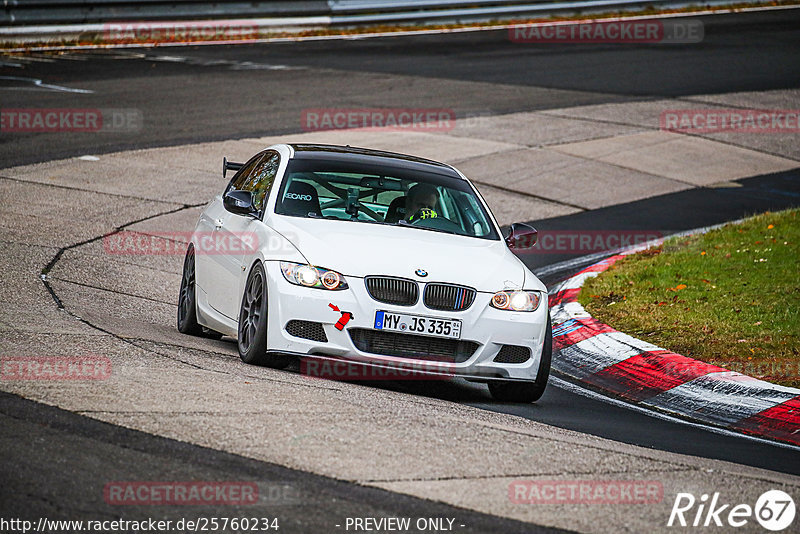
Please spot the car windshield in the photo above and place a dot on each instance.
(380, 194)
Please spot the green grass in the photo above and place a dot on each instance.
(730, 297)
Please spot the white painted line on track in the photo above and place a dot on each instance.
(40, 85)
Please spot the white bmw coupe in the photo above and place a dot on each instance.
(381, 260)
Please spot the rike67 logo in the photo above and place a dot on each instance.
(774, 510)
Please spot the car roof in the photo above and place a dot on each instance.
(370, 156)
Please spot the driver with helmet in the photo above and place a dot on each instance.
(420, 202)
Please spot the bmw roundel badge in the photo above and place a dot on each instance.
(421, 272)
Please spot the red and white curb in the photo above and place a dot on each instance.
(594, 354)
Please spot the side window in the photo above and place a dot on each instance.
(257, 177)
(261, 179)
(238, 180)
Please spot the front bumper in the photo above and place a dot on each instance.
(488, 328)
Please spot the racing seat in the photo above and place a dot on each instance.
(301, 199)
(396, 210)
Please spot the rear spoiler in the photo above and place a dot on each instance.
(230, 165)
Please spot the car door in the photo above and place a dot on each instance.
(212, 271)
(235, 234)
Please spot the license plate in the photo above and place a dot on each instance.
(414, 324)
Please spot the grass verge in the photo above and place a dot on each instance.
(730, 297)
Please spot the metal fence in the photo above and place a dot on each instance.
(329, 12)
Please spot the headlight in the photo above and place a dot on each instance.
(516, 300)
(309, 276)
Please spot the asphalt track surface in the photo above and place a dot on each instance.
(48, 453)
(216, 92)
(193, 94)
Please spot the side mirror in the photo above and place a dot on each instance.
(239, 202)
(522, 236)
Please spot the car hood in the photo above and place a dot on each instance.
(362, 249)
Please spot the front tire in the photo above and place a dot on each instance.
(252, 338)
(528, 391)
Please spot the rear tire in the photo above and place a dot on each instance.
(187, 304)
(528, 391)
(252, 338)
(187, 301)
